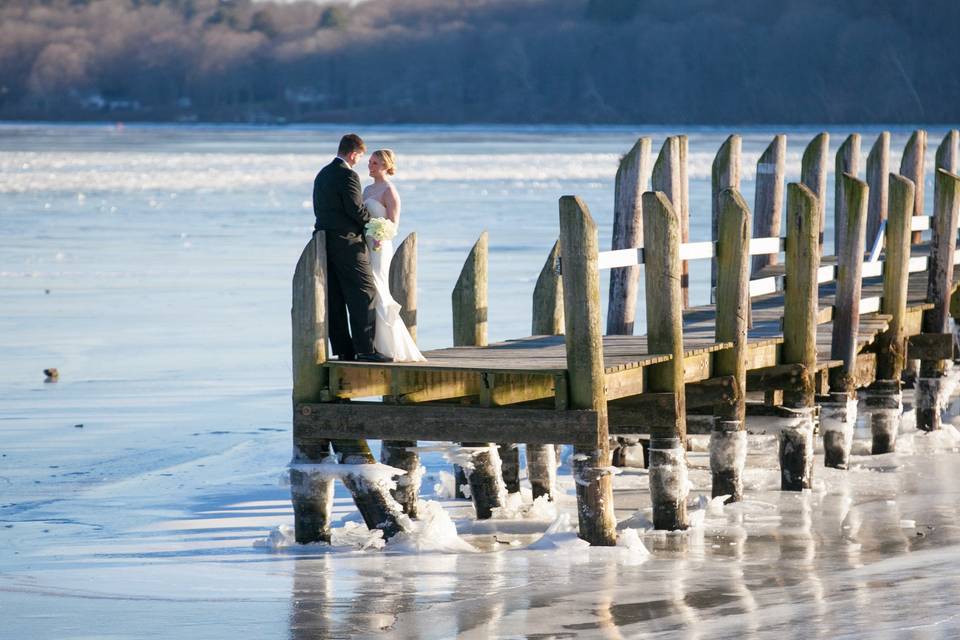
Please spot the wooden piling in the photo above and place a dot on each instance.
(768, 197)
(470, 330)
(813, 174)
(664, 307)
(913, 167)
(312, 496)
(401, 454)
(579, 245)
(838, 427)
(884, 393)
(728, 441)
(547, 321)
(684, 142)
(847, 162)
(800, 333)
(878, 171)
(724, 174)
(633, 177)
(946, 197)
(948, 151)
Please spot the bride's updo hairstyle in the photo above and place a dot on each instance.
(389, 160)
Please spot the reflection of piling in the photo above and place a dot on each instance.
(668, 467)
(884, 397)
(728, 440)
(840, 414)
(800, 336)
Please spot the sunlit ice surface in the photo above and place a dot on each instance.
(143, 494)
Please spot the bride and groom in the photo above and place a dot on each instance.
(358, 267)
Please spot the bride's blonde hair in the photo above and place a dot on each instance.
(389, 160)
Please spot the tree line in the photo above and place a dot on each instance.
(449, 61)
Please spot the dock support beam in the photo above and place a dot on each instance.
(800, 335)
(884, 395)
(839, 416)
(579, 245)
(728, 439)
(946, 201)
(401, 454)
(664, 304)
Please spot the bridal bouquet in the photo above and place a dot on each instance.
(380, 229)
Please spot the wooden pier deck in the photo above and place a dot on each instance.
(807, 330)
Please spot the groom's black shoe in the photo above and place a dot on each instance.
(376, 356)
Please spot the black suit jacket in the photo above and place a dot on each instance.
(337, 200)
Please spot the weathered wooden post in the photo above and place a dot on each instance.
(547, 321)
(579, 245)
(470, 330)
(401, 454)
(668, 466)
(724, 174)
(633, 178)
(813, 174)
(948, 151)
(878, 171)
(913, 167)
(684, 142)
(768, 198)
(800, 336)
(728, 439)
(884, 395)
(667, 177)
(312, 496)
(838, 417)
(847, 161)
(946, 204)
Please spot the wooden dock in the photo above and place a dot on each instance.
(853, 322)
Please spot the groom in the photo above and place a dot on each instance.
(339, 209)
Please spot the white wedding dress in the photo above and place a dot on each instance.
(391, 338)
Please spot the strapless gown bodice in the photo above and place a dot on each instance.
(391, 337)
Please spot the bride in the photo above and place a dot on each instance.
(382, 201)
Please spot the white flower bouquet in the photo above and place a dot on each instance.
(380, 229)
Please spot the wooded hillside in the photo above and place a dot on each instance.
(603, 61)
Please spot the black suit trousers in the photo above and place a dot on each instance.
(350, 288)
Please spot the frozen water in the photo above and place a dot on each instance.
(152, 267)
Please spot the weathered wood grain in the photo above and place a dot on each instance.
(403, 282)
(800, 296)
(847, 162)
(768, 197)
(633, 178)
(724, 174)
(878, 170)
(813, 174)
(913, 167)
(470, 298)
(891, 344)
(579, 245)
(846, 316)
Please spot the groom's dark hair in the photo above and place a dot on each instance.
(350, 143)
